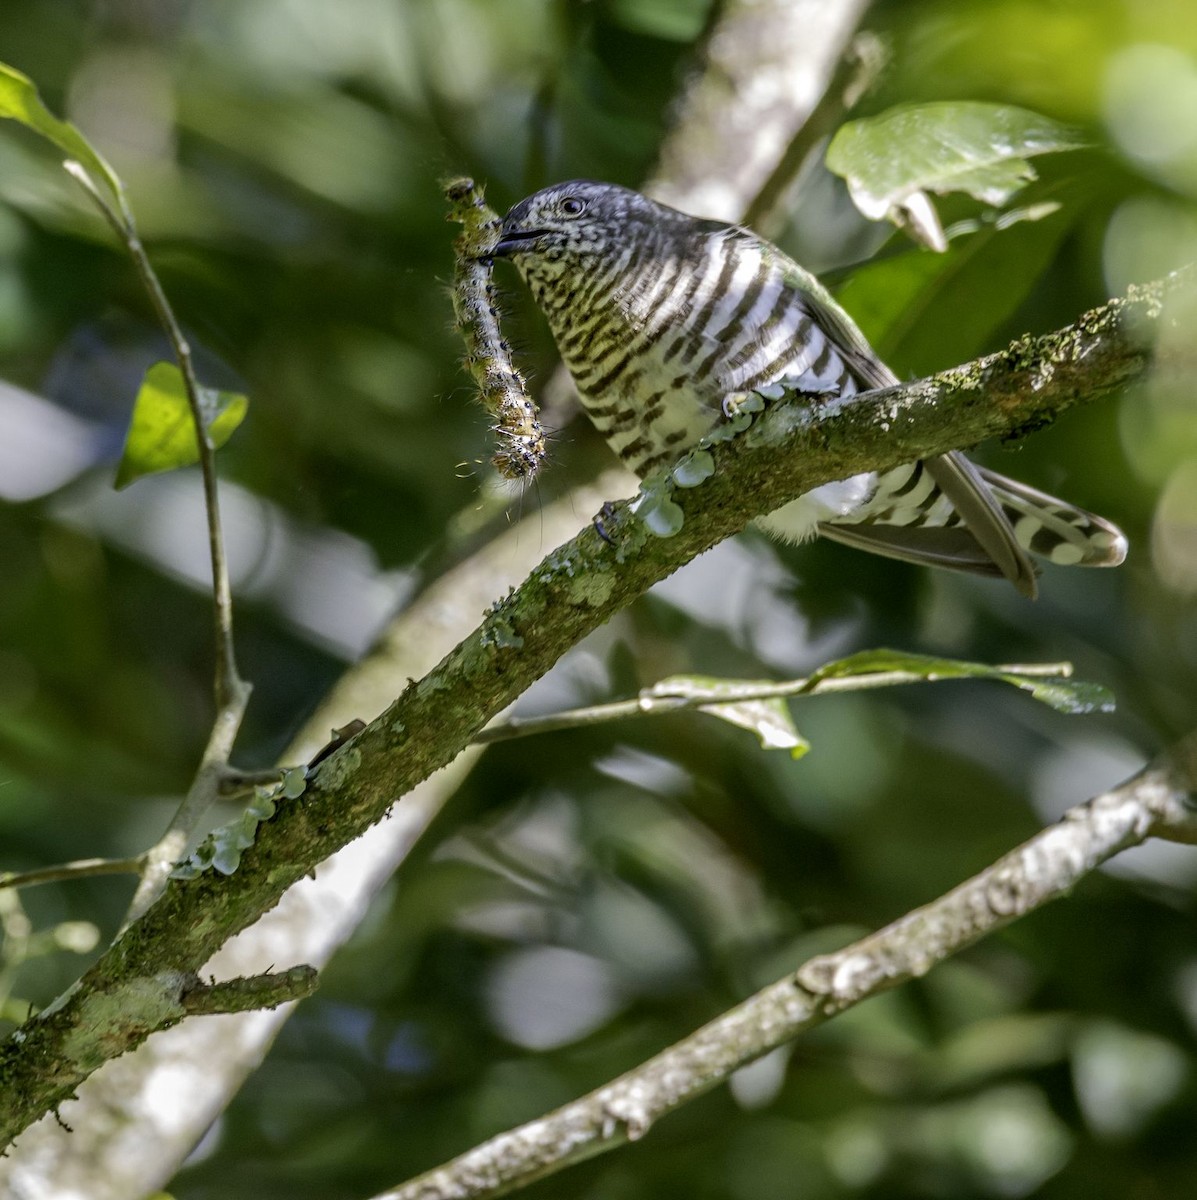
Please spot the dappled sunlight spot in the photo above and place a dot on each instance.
(651, 772)
(1005, 1141)
(547, 996)
(1124, 1077)
(1155, 418)
(1147, 236)
(322, 581)
(1174, 531)
(1150, 106)
(537, 841)
(1083, 766)
(43, 446)
(637, 935)
(123, 99)
(758, 1084)
(1012, 1139)
(741, 588)
(857, 1151)
(578, 678)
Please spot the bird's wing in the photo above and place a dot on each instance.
(956, 477)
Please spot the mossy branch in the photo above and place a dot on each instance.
(578, 587)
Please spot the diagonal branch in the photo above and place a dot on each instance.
(791, 449)
(1159, 801)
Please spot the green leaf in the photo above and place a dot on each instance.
(922, 312)
(162, 433)
(19, 101)
(946, 146)
(769, 719)
(1050, 683)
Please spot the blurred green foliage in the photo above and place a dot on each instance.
(590, 897)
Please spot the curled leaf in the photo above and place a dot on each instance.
(768, 718)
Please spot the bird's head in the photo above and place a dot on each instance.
(579, 218)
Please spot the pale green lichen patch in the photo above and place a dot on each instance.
(139, 1005)
(664, 518)
(431, 683)
(221, 850)
(592, 590)
(498, 630)
(560, 563)
(631, 541)
(340, 768)
(500, 633)
(695, 468)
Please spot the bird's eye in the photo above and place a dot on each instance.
(573, 206)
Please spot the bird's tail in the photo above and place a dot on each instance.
(1055, 530)
(911, 517)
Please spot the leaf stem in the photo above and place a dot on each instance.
(658, 699)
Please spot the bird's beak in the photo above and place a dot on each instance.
(516, 241)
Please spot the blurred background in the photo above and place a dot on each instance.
(589, 897)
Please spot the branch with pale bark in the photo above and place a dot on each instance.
(1160, 801)
(138, 985)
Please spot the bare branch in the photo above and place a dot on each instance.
(1156, 802)
(81, 868)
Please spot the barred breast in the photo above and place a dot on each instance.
(658, 335)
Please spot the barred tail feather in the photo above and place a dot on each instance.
(927, 515)
(1055, 530)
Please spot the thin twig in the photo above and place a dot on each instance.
(651, 702)
(81, 868)
(230, 688)
(232, 692)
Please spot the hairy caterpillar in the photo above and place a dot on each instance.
(501, 387)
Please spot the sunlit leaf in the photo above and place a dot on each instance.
(1056, 689)
(19, 101)
(946, 146)
(162, 433)
(769, 719)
